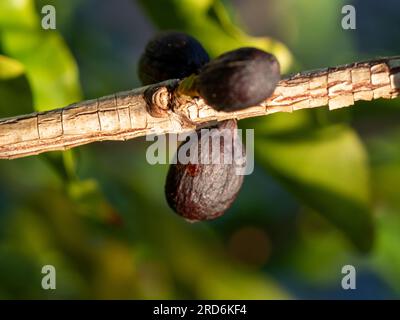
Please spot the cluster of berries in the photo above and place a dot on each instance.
(233, 81)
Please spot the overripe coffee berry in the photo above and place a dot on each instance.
(199, 191)
(171, 55)
(238, 79)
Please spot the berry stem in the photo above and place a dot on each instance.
(187, 87)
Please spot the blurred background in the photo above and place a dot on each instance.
(325, 192)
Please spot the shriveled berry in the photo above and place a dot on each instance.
(238, 79)
(171, 55)
(199, 191)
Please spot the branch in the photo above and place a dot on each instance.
(159, 109)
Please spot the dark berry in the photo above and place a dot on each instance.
(199, 191)
(171, 55)
(238, 79)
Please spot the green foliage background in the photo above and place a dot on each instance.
(324, 193)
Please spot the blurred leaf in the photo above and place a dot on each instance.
(327, 42)
(17, 280)
(210, 23)
(385, 162)
(17, 14)
(327, 169)
(387, 257)
(383, 146)
(50, 67)
(318, 245)
(10, 68)
(16, 96)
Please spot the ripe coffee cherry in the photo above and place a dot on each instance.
(238, 79)
(199, 191)
(171, 55)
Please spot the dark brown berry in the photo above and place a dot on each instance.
(171, 55)
(199, 191)
(238, 79)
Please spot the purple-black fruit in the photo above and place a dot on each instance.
(199, 191)
(171, 55)
(238, 79)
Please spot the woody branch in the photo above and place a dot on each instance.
(130, 114)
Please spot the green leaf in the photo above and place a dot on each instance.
(49, 66)
(327, 170)
(210, 23)
(329, 44)
(387, 258)
(10, 68)
(17, 14)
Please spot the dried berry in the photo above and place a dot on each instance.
(199, 191)
(171, 55)
(238, 79)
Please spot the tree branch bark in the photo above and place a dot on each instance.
(130, 114)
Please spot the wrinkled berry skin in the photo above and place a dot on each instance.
(238, 79)
(171, 55)
(203, 191)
